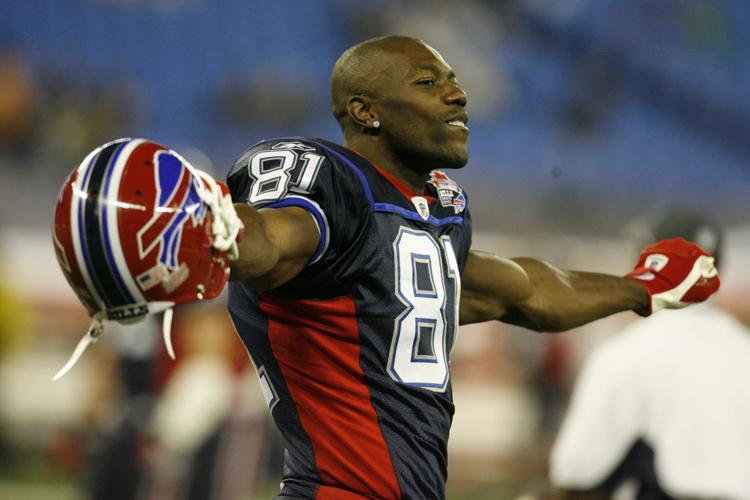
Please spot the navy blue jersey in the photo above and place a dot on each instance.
(353, 353)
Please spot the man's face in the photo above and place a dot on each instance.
(422, 109)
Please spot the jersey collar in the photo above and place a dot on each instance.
(403, 188)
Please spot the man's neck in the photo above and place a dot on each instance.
(389, 162)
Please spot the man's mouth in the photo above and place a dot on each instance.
(459, 122)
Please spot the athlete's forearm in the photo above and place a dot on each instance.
(276, 245)
(562, 300)
(257, 255)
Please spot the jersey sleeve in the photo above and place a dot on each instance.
(297, 172)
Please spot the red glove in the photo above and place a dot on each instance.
(675, 273)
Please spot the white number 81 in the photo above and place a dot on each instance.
(418, 354)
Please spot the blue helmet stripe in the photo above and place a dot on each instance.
(94, 253)
(105, 229)
(81, 230)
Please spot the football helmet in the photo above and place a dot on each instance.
(138, 230)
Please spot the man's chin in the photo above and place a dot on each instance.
(437, 157)
(456, 160)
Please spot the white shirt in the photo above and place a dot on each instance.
(680, 381)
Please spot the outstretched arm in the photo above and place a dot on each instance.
(536, 295)
(275, 247)
(528, 292)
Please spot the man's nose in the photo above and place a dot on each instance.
(456, 96)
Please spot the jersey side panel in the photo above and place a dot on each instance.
(300, 474)
(326, 383)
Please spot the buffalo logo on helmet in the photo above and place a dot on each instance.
(177, 201)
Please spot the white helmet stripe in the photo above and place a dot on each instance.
(112, 233)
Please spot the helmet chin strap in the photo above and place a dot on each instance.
(92, 335)
(96, 328)
(167, 332)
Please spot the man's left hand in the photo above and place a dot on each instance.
(675, 273)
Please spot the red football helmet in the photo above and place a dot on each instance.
(138, 230)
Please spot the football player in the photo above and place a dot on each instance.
(354, 272)
(347, 286)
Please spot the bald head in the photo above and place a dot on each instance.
(361, 69)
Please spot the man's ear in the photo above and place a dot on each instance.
(362, 109)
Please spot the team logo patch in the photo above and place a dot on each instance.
(459, 203)
(422, 207)
(177, 202)
(655, 262)
(450, 194)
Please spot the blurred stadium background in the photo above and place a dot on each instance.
(587, 118)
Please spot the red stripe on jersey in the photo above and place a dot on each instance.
(316, 344)
(403, 188)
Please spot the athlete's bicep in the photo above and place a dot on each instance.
(293, 231)
(277, 245)
(489, 284)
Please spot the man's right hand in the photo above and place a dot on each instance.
(226, 226)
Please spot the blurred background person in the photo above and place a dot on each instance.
(661, 409)
(192, 429)
(207, 432)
